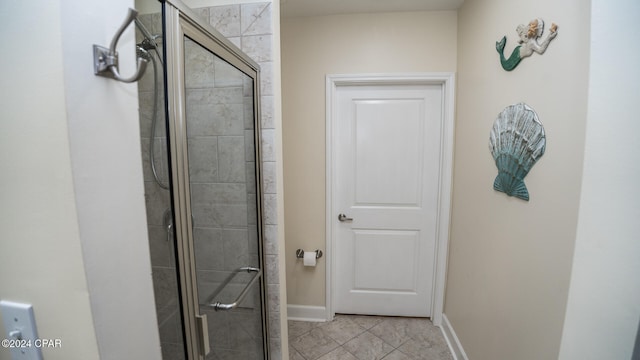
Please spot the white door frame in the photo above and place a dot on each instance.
(447, 81)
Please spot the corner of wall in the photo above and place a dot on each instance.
(452, 339)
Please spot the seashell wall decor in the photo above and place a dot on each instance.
(516, 141)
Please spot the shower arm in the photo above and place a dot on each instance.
(146, 34)
(105, 61)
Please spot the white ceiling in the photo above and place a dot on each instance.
(295, 8)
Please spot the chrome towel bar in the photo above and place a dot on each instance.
(220, 306)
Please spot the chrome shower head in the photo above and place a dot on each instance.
(148, 43)
(141, 52)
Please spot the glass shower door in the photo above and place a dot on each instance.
(216, 195)
(223, 194)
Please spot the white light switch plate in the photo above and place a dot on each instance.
(21, 335)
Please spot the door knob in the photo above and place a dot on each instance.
(343, 217)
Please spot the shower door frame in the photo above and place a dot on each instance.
(181, 21)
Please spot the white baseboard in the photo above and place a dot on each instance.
(306, 313)
(452, 340)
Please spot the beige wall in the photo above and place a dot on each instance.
(510, 260)
(311, 49)
(40, 252)
(104, 138)
(74, 240)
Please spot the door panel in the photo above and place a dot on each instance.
(378, 250)
(387, 170)
(223, 198)
(387, 137)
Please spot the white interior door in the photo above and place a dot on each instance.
(386, 169)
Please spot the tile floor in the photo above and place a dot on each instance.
(353, 337)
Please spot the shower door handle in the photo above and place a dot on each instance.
(343, 218)
(203, 341)
(220, 306)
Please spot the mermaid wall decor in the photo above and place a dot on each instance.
(529, 35)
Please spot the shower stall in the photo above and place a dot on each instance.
(200, 126)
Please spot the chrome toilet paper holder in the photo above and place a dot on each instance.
(300, 254)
